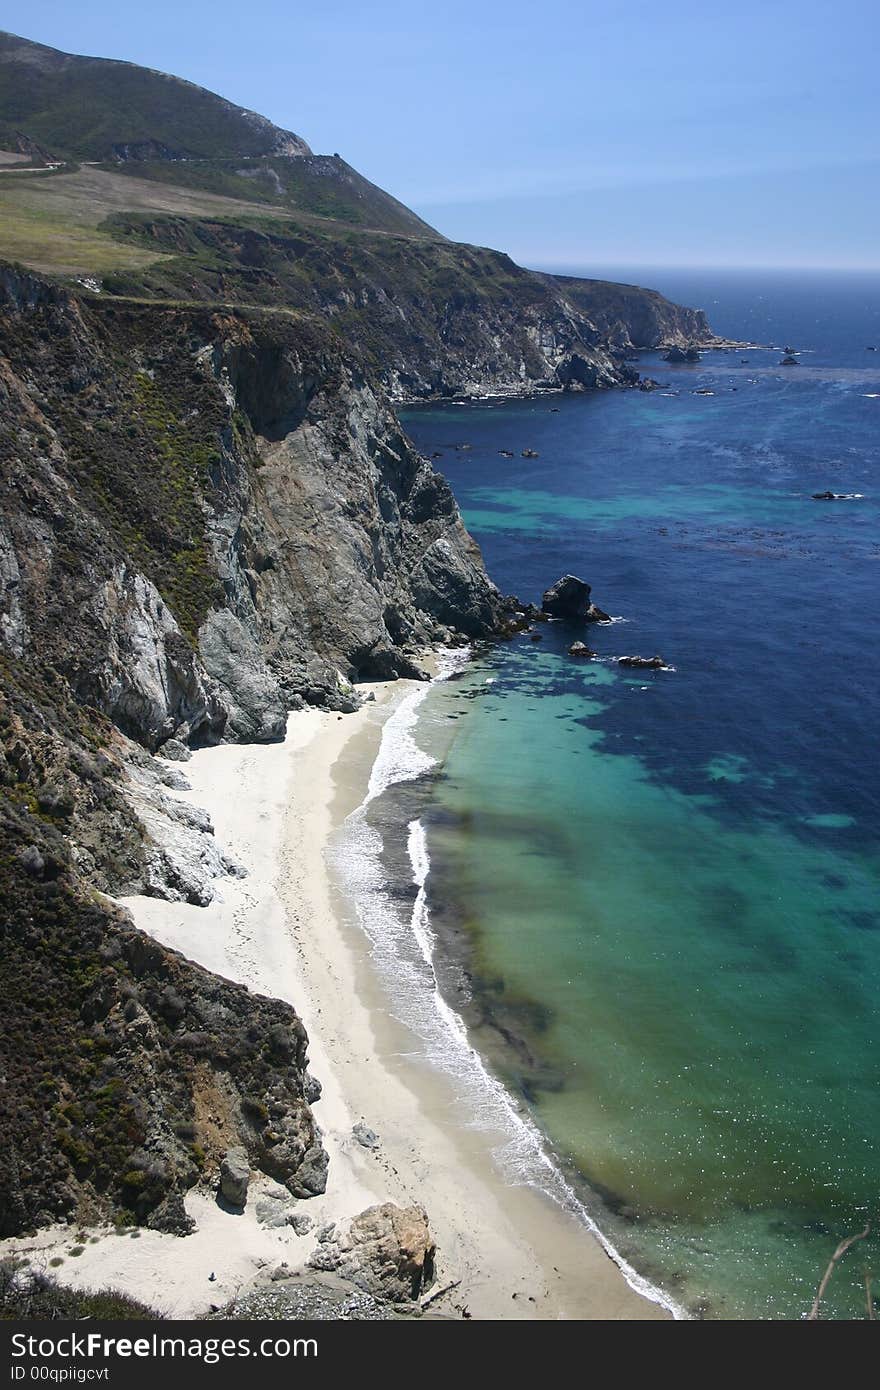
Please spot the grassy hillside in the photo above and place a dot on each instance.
(321, 185)
(170, 133)
(96, 108)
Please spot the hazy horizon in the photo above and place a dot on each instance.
(681, 138)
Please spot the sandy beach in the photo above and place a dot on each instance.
(281, 930)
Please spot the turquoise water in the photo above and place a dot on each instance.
(666, 882)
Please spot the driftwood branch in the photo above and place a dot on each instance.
(838, 1255)
(438, 1293)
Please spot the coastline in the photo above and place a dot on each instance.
(281, 931)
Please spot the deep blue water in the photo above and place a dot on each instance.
(675, 872)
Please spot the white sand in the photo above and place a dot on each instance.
(277, 931)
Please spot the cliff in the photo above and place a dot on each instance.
(628, 317)
(207, 519)
(429, 317)
(211, 517)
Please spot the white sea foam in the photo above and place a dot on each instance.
(403, 949)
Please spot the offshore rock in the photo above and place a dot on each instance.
(643, 663)
(569, 599)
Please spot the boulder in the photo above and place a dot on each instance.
(311, 1175)
(386, 1250)
(235, 1173)
(175, 750)
(580, 649)
(365, 1136)
(274, 1212)
(569, 599)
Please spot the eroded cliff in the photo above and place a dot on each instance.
(207, 519)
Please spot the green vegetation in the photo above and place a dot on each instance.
(394, 299)
(30, 1293)
(149, 492)
(40, 238)
(93, 108)
(323, 186)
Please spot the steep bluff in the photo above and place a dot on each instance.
(430, 317)
(628, 317)
(207, 519)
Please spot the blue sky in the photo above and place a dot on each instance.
(585, 133)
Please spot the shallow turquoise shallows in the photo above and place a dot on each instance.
(664, 883)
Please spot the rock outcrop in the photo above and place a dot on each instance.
(629, 317)
(387, 1251)
(569, 599)
(265, 534)
(643, 663)
(128, 1071)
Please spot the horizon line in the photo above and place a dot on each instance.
(541, 264)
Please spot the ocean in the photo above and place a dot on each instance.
(635, 913)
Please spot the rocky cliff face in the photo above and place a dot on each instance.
(426, 316)
(627, 317)
(127, 1069)
(207, 519)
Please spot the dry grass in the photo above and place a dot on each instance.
(51, 223)
(47, 243)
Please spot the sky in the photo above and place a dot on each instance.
(572, 134)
